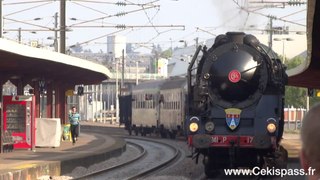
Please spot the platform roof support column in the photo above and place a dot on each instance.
(49, 100)
(36, 92)
(60, 102)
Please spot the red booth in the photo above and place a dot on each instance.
(19, 120)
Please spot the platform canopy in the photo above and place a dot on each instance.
(308, 73)
(28, 63)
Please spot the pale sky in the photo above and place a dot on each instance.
(202, 19)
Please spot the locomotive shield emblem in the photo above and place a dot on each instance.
(232, 117)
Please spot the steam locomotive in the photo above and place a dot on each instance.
(235, 114)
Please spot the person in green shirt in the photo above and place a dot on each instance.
(74, 118)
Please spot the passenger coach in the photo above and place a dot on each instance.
(157, 107)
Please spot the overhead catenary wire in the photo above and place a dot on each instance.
(268, 16)
(118, 3)
(27, 9)
(109, 16)
(27, 2)
(99, 37)
(43, 27)
(89, 8)
(150, 19)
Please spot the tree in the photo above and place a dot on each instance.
(295, 96)
(156, 50)
(294, 62)
(166, 54)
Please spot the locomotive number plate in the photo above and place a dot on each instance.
(229, 140)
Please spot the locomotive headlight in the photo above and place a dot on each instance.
(271, 125)
(271, 128)
(193, 127)
(209, 126)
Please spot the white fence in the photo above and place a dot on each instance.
(293, 117)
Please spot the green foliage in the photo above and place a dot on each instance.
(166, 54)
(314, 100)
(294, 62)
(295, 96)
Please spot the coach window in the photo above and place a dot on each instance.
(142, 101)
(139, 101)
(166, 103)
(133, 104)
(151, 102)
(143, 104)
(147, 104)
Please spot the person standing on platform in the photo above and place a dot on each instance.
(74, 118)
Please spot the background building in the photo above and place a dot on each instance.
(115, 45)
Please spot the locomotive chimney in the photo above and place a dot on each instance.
(236, 37)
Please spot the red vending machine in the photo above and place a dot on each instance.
(19, 119)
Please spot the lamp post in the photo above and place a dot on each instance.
(117, 90)
(283, 41)
(137, 72)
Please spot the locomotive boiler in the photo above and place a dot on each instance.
(235, 115)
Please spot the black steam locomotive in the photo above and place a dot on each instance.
(235, 109)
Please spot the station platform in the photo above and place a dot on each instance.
(24, 164)
(292, 143)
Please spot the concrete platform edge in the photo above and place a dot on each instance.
(58, 168)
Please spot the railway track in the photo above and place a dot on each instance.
(153, 156)
(182, 168)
